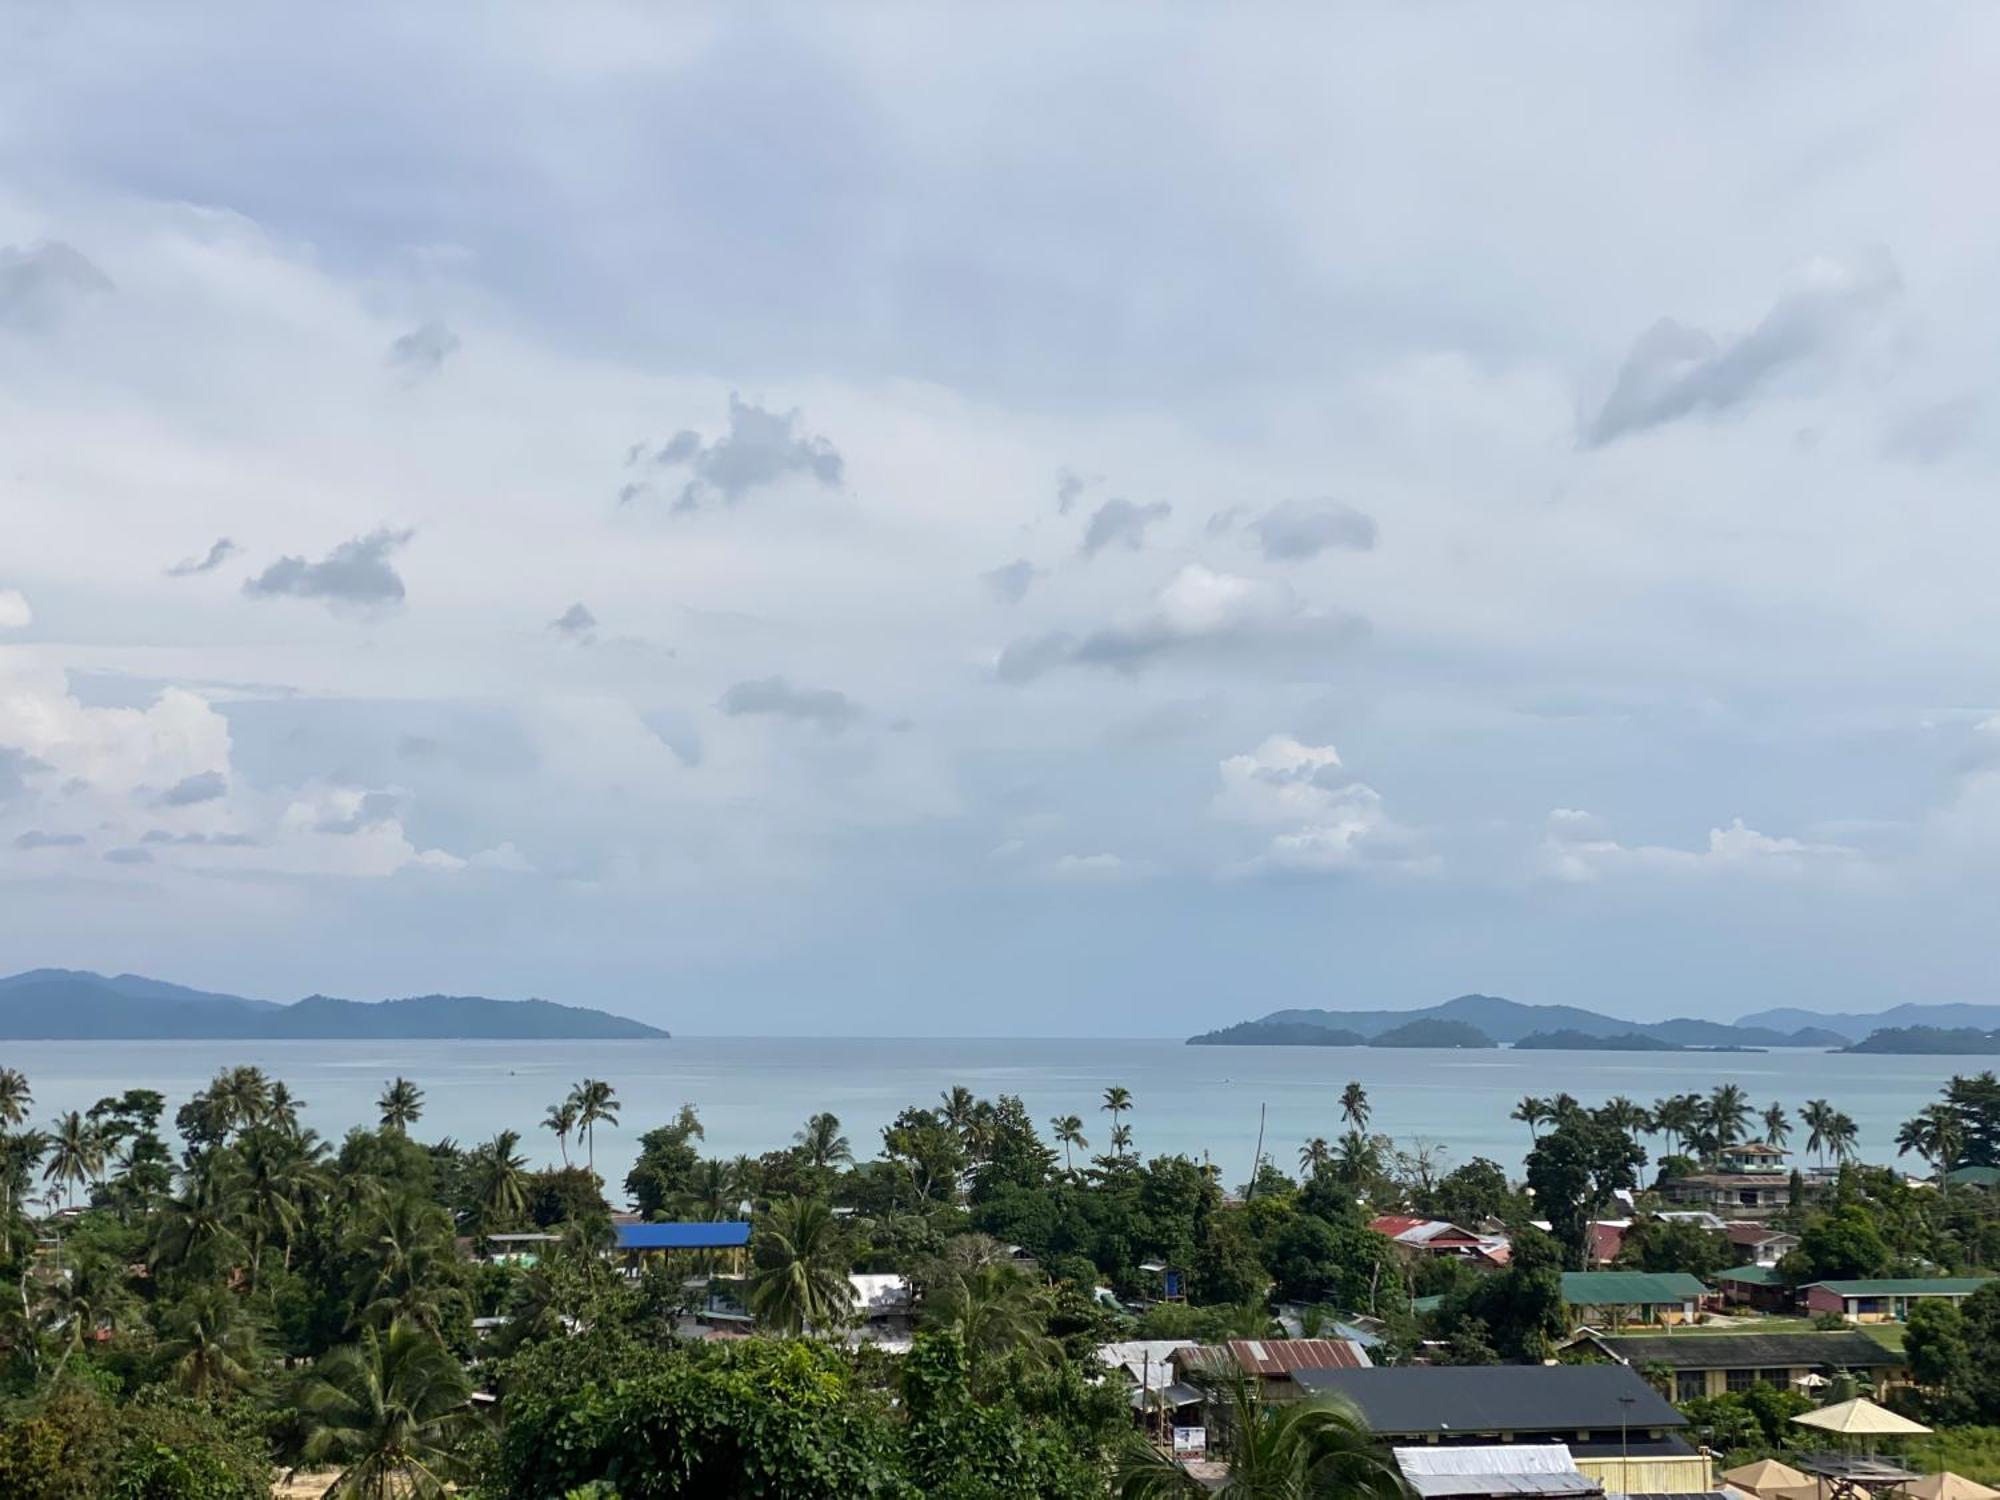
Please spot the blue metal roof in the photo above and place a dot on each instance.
(726, 1234)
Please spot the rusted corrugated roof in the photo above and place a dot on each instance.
(1268, 1357)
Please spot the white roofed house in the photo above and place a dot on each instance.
(1159, 1398)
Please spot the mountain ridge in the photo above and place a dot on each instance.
(77, 1005)
(1508, 1021)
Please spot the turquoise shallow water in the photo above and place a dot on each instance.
(753, 1092)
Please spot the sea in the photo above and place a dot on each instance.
(754, 1093)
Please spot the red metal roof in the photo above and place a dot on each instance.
(1394, 1224)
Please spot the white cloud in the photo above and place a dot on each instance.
(14, 611)
(1327, 821)
(1575, 849)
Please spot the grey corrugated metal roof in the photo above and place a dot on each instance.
(1749, 1351)
(1541, 1469)
(1474, 1399)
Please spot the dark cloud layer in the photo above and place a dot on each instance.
(189, 790)
(355, 575)
(829, 708)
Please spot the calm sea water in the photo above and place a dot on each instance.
(754, 1092)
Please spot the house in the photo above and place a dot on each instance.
(1687, 1368)
(1732, 1191)
(883, 1309)
(1760, 1287)
(517, 1249)
(1616, 1428)
(1632, 1296)
(1607, 1238)
(1506, 1472)
(1886, 1299)
(1160, 1400)
(1414, 1238)
(1275, 1364)
(1752, 1156)
(1759, 1244)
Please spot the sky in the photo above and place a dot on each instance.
(1084, 520)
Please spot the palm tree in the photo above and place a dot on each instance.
(20, 1153)
(1068, 1132)
(211, 1344)
(1817, 1115)
(1842, 1134)
(384, 1410)
(595, 1100)
(996, 1310)
(1117, 1101)
(1627, 1115)
(91, 1296)
(960, 1108)
(16, 1098)
(1291, 1450)
(1359, 1159)
(402, 1104)
(1935, 1135)
(1354, 1110)
(1314, 1155)
(197, 1230)
(1777, 1125)
(240, 1098)
(1677, 1117)
(561, 1118)
(1728, 1111)
(1121, 1141)
(76, 1154)
(1531, 1112)
(801, 1260)
(500, 1178)
(821, 1143)
(408, 1263)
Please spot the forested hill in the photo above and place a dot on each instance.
(1503, 1020)
(68, 1004)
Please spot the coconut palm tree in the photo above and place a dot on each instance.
(240, 1098)
(959, 1109)
(402, 1104)
(1842, 1136)
(1677, 1117)
(16, 1098)
(20, 1153)
(89, 1298)
(996, 1310)
(1359, 1159)
(821, 1143)
(197, 1230)
(595, 1101)
(1068, 1132)
(1291, 1450)
(1816, 1115)
(384, 1410)
(1314, 1155)
(561, 1118)
(500, 1180)
(1117, 1101)
(1727, 1113)
(76, 1154)
(1777, 1125)
(1354, 1108)
(1121, 1141)
(1531, 1112)
(408, 1263)
(801, 1260)
(1935, 1135)
(211, 1344)
(1627, 1115)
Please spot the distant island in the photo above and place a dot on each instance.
(70, 1005)
(1938, 1041)
(1583, 1041)
(1423, 1033)
(1496, 1020)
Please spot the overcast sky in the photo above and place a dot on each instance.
(1013, 520)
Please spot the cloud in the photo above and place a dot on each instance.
(355, 811)
(204, 786)
(38, 281)
(576, 624)
(1674, 370)
(422, 351)
(218, 553)
(356, 575)
(1932, 433)
(832, 710)
(16, 766)
(1328, 822)
(1070, 486)
(1091, 869)
(1198, 612)
(128, 856)
(675, 728)
(34, 838)
(760, 449)
(1121, 523)
(1576, 849)
(14, 611)
(1299, 529)
(1009, 582)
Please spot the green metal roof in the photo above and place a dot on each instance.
(1426, 1304)
(1908, 1286)
(1752, 1275)
(1628, 1288)
(1974, 1176)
